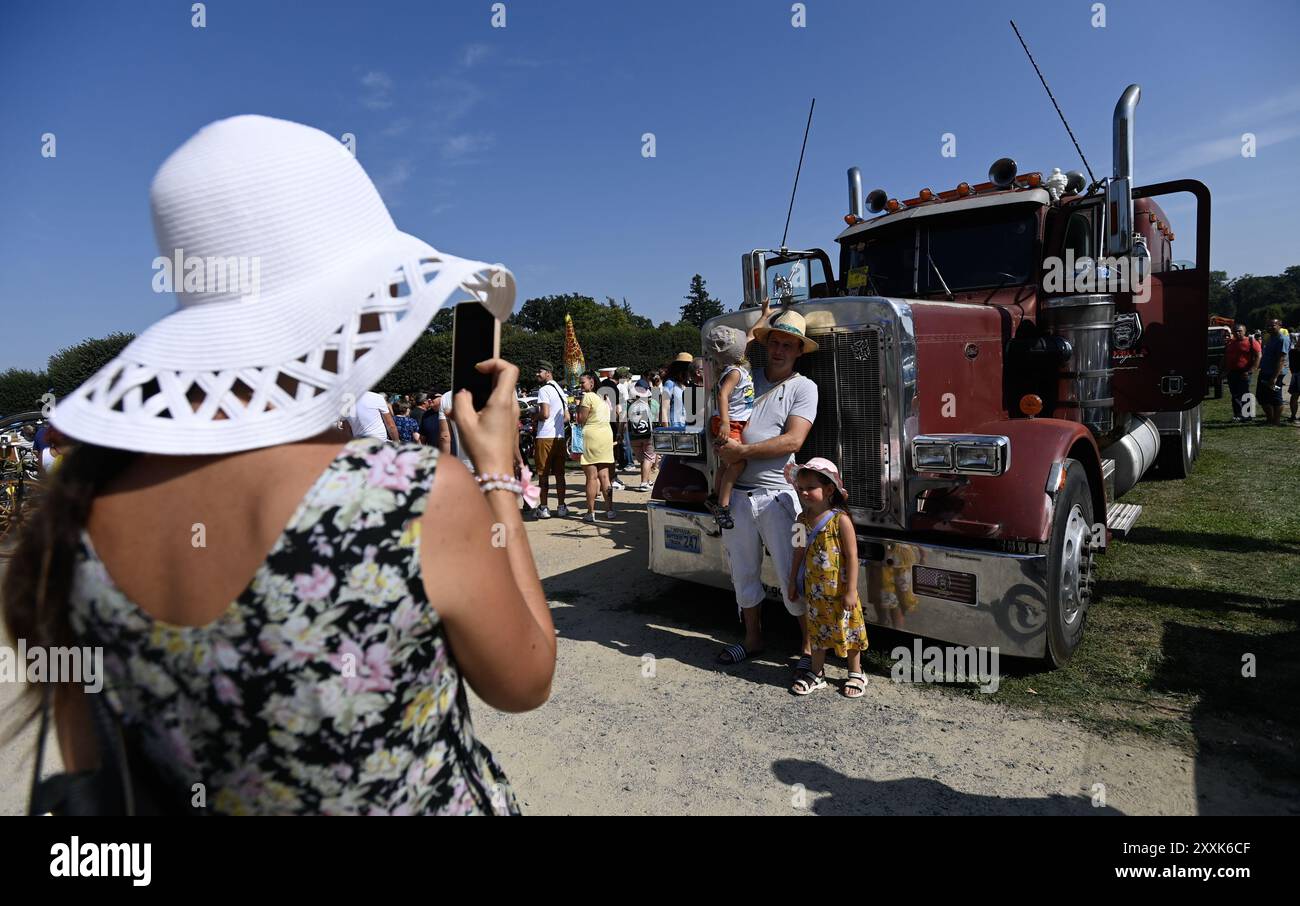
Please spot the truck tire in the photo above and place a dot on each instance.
(1069, 565)
(1178, 451)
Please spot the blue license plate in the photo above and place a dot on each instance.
(682, 539)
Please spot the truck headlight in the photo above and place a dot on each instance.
(932, 457)
(973, 454)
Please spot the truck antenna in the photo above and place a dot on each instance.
(796, 173)
(1054, 104)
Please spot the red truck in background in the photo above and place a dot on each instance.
(999, 363)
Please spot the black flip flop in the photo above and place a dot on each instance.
(735, 654)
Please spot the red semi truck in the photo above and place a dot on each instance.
(999, 363)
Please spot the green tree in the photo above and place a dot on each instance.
(546, 313)
(700, 306)
(1221, 302)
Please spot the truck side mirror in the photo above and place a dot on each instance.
(1119, 217)
(753, 268)
(1141, 261)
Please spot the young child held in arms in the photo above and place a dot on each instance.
(733, 402)
(825, 573)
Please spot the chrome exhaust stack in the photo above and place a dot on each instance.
(1119, 190)
(1123, 131)
(855, 192)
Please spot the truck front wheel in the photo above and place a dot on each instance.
(1069, 563)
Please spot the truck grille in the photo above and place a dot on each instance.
(846, 369)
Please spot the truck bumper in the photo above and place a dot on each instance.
(1007, 592)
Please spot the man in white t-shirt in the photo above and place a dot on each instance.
(371, 417)
(764, 505)
(552, 414)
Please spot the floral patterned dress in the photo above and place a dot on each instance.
(327, 686)
(829, 626)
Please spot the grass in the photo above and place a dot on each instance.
(1208, 580)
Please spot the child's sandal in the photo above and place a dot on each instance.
(809, 682)
(855, 686)
(723, 516)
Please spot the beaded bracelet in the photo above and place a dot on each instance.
(491, 483)
(488, 476)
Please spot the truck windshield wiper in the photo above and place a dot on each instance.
(942, 282)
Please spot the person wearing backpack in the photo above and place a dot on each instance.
(640, 421)
(552, 420)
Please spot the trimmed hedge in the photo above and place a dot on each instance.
(72, 366)
(427, 364)
(21, 390)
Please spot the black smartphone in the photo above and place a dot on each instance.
(475, 336)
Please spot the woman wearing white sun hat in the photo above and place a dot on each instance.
(318, 677)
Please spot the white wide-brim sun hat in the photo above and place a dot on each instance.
(332, 296)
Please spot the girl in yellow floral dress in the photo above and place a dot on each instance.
(825, 572)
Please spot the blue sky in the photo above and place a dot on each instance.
(523, 144)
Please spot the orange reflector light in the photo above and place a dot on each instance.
(963, 189)
(850, 219)
(925, 195)
(1031, 404)
(1151, 217)
(1171, 235)
(893, 205)
(1033, 179)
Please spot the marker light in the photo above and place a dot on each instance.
(1033, 179)
(893, 205)
(1031, 404)
(925, 194)
(963, 189)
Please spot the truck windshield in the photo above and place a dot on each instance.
(972, 250)
(880, 263)
(984, 249)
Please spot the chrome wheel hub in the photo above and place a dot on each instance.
(1076, 562)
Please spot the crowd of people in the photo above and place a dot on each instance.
(1274, 359)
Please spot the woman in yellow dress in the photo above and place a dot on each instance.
(598, 447)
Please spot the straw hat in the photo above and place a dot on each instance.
(789, 322)
(684, 357)
(337, 294)
(817, 464)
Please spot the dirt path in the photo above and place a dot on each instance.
(641, 720)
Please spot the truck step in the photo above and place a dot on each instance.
(1108, 479)
(1120, 517)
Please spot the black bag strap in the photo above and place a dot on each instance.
(104, 790)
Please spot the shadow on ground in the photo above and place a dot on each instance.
(1237, 716)
(622, 605)
(915, 796)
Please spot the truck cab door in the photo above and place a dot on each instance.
(1158, 345)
